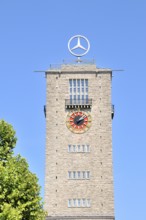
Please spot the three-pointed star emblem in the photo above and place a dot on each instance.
(78, 45)
(79, 41)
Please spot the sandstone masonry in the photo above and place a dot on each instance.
(99, 187)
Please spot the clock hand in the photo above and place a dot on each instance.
(82, 118)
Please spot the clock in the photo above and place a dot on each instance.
(78, 121)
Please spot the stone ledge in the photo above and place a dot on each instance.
(79, 217)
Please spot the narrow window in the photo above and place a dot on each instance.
(74, 202)
(74, 174)
(74, 101)
(78, 82)
(69, 175)
(79, 202)
(71, 99)
(83, 202)
(86, 99)
(88, 149)
(74, 82)
(78, 99)
(82, 99)
(86, 82)
(88, 203)
(88, 175)
(78, 148)
(70, 82)
(84, 176)
(74, 148)
(69, 148)
(83, 147)
(69, 203)
(82, 82)
(70, 85)
(79, 174)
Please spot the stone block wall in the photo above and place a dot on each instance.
(99, 188)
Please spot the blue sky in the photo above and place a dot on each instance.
(33, 35)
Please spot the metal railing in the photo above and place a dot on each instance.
(82, 103)
(72, 63)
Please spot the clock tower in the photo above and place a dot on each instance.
(79, 112)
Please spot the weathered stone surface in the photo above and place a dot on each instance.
(58, 188)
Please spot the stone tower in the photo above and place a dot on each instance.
(79, 112)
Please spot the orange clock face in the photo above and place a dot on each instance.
(78, 121)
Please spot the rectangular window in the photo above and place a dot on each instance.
(86, 99)
(69, 148)
(88, 203)
(86, 82)
(78, 91)
(83, 202)
(79, 202)
(71, 99)
(69, 203)
(88, 175)
(79, 148)
(74, 82)
(82, 82)
(69, 175)
(74, 100)
(74, 174)
(74, 202)
(88, 149)
(79, 174)
(78, 82)
(83, 146)
(78, 100)
(84, 176)
(74, 148)
(83, 97)
(70, 82)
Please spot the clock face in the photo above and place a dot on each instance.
(78, 121)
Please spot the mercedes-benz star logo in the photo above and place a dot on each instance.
(78, 46)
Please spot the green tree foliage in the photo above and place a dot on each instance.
(7, 140)
(19, 190)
